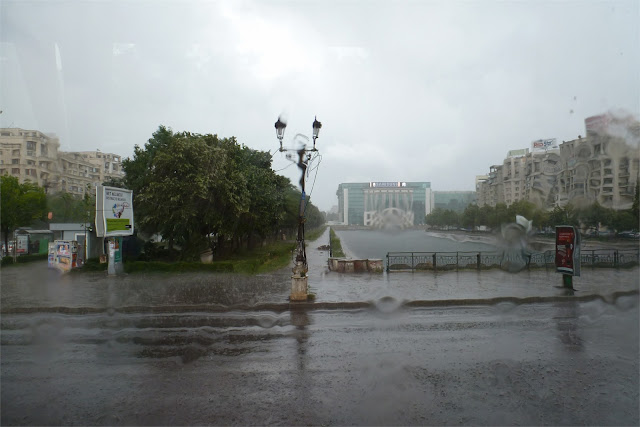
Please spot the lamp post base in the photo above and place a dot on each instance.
(298, 288)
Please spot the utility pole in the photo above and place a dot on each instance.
(299, 283)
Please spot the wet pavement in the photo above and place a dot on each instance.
(566, 363)
(33, 286)
(87, 349)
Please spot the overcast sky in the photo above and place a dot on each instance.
(406, 91)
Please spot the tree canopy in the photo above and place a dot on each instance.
(593, 216)
(22, 204)
(202, 191)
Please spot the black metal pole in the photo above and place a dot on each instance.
(302, 253)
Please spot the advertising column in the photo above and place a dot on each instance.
(567, 253)
(114, 219)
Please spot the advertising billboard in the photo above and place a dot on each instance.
(567, 250)
(63, 255)
(543, 145)
(22, 246)
(114, 211)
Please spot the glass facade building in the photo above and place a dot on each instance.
(360, 202)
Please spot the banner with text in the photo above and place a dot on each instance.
(567, 250)
(543, 145)
(114, 211)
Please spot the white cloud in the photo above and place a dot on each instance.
(433, 91)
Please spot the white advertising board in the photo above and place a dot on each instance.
(543, 145)
(114, 211)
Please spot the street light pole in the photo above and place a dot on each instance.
(299, 284)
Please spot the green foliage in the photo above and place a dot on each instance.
(336, 246)
(440, 217)
(8, 260)
(635, 208)
(593, 216)
(523, 208)
(200, 191)
(314, 233)
(624, 220)
(21, 204)
(66, 207)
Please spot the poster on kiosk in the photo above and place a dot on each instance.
(114, 219)
(567, 250)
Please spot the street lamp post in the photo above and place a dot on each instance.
(299, 284)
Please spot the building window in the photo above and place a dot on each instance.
(15, 161)
(44, 150)
(15, 171)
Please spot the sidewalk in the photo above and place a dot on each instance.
(33, 285)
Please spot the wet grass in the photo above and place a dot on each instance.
(21, 259)
(264, 259)
(336, 246)
(314, 234)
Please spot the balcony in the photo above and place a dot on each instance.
(552, 169)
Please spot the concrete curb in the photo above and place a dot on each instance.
(308, 306)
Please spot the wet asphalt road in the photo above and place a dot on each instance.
(138, 349)
(566, 363)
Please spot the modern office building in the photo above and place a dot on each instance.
(453, 200)
(373, 204)
(31, 155)
(398, 204)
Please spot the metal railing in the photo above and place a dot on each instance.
(482, 260)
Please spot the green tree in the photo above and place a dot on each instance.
(471, 216)
(595, 214)
(541, 219)
(21, 204)
(623, 221)
(66, 207)
(523, 208)
(198, 190)
(437, 218)
(484, 215)
(501, 216)
(635, 208)
(566, 215)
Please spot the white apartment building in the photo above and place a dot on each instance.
(603, 169)
(108, 164)
(34, 156)
(30, 155)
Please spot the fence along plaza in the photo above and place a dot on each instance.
(482, 260)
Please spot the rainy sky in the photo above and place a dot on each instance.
(405, 90)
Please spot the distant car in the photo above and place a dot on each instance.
(628, 234)
(605, 233)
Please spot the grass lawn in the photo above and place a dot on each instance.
(264, 259)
